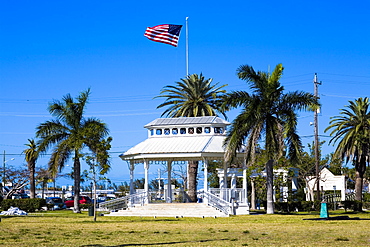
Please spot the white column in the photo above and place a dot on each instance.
(225, 194)
(169, 189)
(233, 181)
(245, 199)
(132, 168)
(246, 210)
(205, 167)
(146, 183)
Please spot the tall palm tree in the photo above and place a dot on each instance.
(69, 134)
(193, 96)
(267, 114)
(31, 155)
(352, 130)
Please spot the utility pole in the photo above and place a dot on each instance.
(316, 130)
(4, 170)
(3, 176)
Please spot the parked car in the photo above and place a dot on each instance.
(56, 203)
(82, 200)
(20, 196)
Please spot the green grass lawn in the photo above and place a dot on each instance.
(64, 228)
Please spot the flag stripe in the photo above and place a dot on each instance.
(164, 34)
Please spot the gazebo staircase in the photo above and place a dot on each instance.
(136, 205)
(177, 210)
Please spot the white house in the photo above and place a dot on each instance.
(328, 182)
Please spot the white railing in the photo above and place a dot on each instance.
(115, 204)
(216, 202)
(138, 198)
(126, 201)
(237, 194)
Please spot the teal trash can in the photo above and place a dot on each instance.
(91, 211)
(324, 211)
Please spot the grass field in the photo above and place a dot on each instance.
(64, 228)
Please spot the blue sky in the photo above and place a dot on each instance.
(51, 48)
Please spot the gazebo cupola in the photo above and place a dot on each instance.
(185, 126)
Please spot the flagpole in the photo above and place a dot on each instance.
(187, 47)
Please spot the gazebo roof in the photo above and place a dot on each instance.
(180, 147)
(186, 121)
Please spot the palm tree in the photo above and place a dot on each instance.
(69, 134)
(352, 131)
(193, 96)
(31, 155)
(266, 113)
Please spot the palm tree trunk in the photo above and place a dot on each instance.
(269, 187)
(43, 188)
(253, 195)
(360, 168)
(77, 181)
(358, 185)
(32, 180)
(192, 180)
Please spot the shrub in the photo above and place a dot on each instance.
(86, 206)
(309, 206)
(366, 205)
(28, 205)
(366, 197)
(353, 205)
(288, 206)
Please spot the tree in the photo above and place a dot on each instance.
(269, 114)
(352, 130)
(193, 96)
(19, 178)
(43, 177)
(70, 133)
(31, 156)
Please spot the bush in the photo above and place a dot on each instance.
(28, 205)
(353, 205)
(366, 197)
(86, 206)
(288, 206)
(366, 205)
(309, 206)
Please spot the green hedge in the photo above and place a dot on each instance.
(366, 197)
(86, 206)
(301, 206)
(308, 206)
(28, 205)
(353, 205)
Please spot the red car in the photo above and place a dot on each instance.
(83, 200)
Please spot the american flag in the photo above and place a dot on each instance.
(166, 33)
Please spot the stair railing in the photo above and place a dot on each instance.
(125, 202)
(216, 202)
(115, 204)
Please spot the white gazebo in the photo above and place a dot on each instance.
(181, 139)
